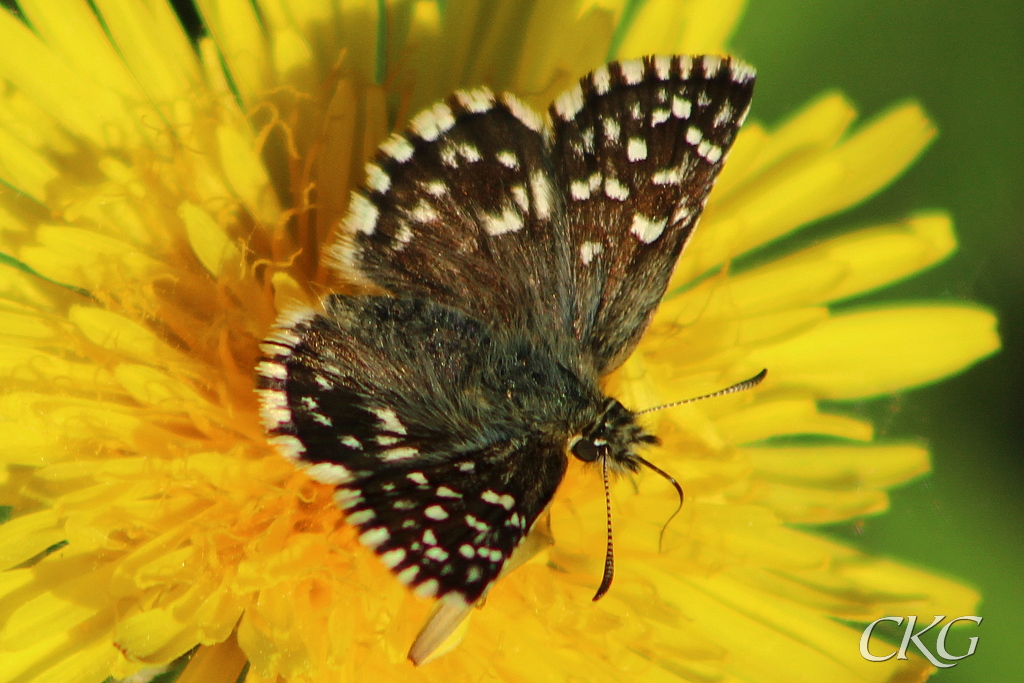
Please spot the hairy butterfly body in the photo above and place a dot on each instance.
(523, 259)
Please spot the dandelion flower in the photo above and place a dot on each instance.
(162, 200)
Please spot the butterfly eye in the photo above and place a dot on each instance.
(588, 451)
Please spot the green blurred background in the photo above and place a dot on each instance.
(964, 62)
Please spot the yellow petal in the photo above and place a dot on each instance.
(838, 467)
(80, 664)
(21, 325)
(86, 258)
(75, 101)
(119, 334)
(872, 352)
(23, 168)
(28, 439)
(235, 27)
(210, 243)
(844, 266)
(151, 41)
(24, 537)
(217, 663)
(73, 30)
(803, 645)
(245, 173)
(787, 416)
(900, 589)
(795, 192)
(705, 25)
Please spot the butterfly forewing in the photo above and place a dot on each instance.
(462, 210)
(523, 258)
(637, 146)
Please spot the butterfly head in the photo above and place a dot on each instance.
(612, 438)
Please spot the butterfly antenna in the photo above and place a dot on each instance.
(609, 556)
(739, 386)
(679, 492)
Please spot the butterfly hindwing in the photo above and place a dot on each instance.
(423, 420)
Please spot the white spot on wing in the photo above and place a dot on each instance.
(709, 151)
(663, 66)
(374, 537)
(636, 149)
(602, 80)
(362, 214)
(569, 103)
(504, 500)
(521, 200)
(436, 188)
(741, 71)
(711, 65)
(361, 517)
(397, 147)
(377, 179)
(632, 71)
(430, 123)
(436, 512)
(477, 100)
(403, 453)
(510, 220)
(329, 473)
(408, 574)
(428, 588)
(685, 65)
(389, 420)
(274, 411)
(681, 107)
(580, 190)
(615, 190)
(393, 558)
(681, 213)
(611, 128)
(288, 446)
(647, 229)
(588, 250)
(416, 477)
(435, 553)
(423, 212)
(469, 152)
(404, 235)
(347, 498)
(543, 194)
(508, 159)
(527, 116)
(693, 135)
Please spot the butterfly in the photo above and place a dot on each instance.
(518, 260)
